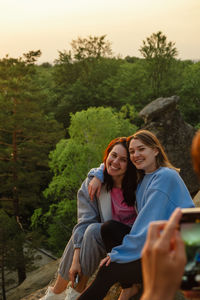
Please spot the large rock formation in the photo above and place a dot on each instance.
(34, 287)
(36, 280)
(163, 118)
(36, 284)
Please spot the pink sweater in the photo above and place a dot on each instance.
(120, 210)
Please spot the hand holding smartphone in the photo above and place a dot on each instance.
(190, 232)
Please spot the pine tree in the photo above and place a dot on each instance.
(26, 137)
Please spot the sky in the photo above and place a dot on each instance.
(51, 25)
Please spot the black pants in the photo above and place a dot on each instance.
(126, 274)
(112, 233)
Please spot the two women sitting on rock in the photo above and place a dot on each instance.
(136, 173)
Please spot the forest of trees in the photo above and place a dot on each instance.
(55, 121)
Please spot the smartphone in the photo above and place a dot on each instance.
(190, 232)
(76, 280)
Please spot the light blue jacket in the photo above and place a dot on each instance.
(158, 194)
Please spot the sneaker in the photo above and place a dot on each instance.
(72, 294)
(51, 296)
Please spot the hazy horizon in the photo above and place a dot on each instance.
(51, 25)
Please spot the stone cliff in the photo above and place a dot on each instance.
(163, 118)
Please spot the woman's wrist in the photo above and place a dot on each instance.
(76, 255)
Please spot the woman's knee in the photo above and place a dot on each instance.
(112, 233)
(93, 231)
(108, 227)
(114, 229)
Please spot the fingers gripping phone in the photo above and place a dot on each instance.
(190, 232)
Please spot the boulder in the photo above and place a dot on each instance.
(163, 118)
(157, 107)
(196, 199)
(36, 280)
(35, 286)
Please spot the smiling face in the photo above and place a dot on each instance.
(117, 161)
(143, 156)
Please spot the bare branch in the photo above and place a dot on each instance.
(5, 158)
(6, 199)
(2, 143)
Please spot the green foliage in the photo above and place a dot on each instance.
(45, 84)
(62, 219)
(58, 222)
(84, 79)
(71, 165)
(27, 136)
(32, 56)
(128, 86)
(156, 46)
(93, 46)
(129, 112)
(11, 239)
(9, 230)
(84, 58)
(159, 55)
(78, 76)
(79, 85)
(96, 126)
(190, 94)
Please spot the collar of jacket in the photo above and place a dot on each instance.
(104, 203)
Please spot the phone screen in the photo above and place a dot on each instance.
(190, 232)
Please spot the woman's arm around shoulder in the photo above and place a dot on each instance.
(97, 172)
(97, 178)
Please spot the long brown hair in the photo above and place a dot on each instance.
(129, 181)
(150, 140)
